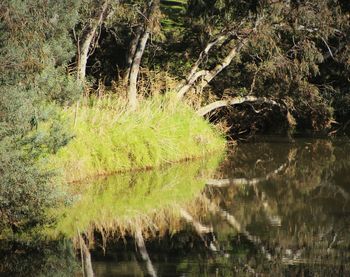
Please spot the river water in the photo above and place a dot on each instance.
(269, 208)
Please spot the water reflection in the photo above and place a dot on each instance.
(45, 259)
(128, 203)
(271, 209)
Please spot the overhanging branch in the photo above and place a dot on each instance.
(235, 101)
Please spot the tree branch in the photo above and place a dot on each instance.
(204, 53)
(208, 75)
(235, 101)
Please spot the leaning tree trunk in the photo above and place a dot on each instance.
(237, 100)
(86, 43)
(136, 61)
(228, 37)
(208, 75)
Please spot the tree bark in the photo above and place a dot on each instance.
(86, 43)
(135, 66)
(208, 75)
(131, 53)
(204, 54)
(135, 69)
(235, 101)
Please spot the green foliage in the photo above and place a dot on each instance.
(296, 55)
(34, 51)
(109, 138)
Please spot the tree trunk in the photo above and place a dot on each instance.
(201, 57)
(135, 66)
(86, 43)
(237, 100)
(208, 75)
(134, 71)
(131, 53)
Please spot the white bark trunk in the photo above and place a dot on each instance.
(203, 54)
(208, 75)
(86, 43)
(134, 71)
(88, 270)
(135, 67)
(235, 101)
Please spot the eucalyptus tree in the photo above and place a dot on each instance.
(95, 13)
(149, 24)
(273, 49)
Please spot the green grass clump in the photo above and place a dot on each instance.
(109, 138)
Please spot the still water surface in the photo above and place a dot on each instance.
(271, 208)
(279, 209)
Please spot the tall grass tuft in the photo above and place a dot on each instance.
(109, 138)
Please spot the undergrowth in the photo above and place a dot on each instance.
(110, 138)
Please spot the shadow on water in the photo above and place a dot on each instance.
(55, 259)
(270, 209)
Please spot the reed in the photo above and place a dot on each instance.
(109, 138)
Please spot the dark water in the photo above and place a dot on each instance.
(272, 208)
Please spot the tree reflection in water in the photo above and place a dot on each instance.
(271, 209)
(274, 209)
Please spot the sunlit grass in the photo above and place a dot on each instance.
(109, 138)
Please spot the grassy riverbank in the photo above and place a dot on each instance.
(109, 138)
